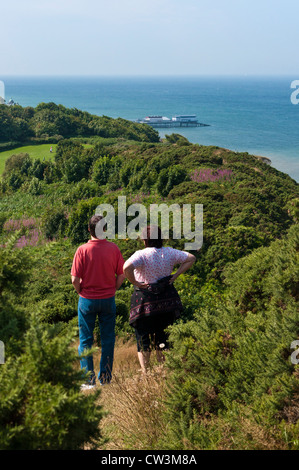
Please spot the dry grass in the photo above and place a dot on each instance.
(135, 418)
(133, 402)
(135, 408)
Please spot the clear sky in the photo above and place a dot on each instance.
(149, 37)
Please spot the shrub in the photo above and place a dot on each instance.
(55, 223)
(16, 162)
(14, 268)
(233, 359)
(79, 217)
(14, 180)
(3, 218)
(41, 406)
(170, 177)
(34, 187)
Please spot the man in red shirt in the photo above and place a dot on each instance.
(97, 272)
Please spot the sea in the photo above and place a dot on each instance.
(258, 115)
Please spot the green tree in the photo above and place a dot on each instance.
(71, 161)
(170, 177)
(55, 223)
(79, 217)
(101, 170)
(20, 161)
(41, 406)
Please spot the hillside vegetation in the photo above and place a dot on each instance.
(49, 121)
(228, 381)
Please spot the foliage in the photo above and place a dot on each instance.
(233, 359)
(49, 119)
(177, 139)
(78, 222)
(41, 406)
(170, 177)
(55, 223)
(14, 266)
(231, 381)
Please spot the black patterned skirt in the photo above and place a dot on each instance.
(157, 299)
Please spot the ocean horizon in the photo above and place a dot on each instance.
(245, 114)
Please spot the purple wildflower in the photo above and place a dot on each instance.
(12, 225)
(208, 174)
(32, 239)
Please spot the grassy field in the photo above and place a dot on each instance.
(35, 151)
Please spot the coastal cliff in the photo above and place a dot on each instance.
(228, 381)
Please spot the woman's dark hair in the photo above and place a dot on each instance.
(152, 237)
(93, 223)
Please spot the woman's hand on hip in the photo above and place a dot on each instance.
(141, 285)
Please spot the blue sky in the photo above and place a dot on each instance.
(149, 37)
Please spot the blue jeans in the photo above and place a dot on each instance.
(88, 310)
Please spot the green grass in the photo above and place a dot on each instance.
(35, 151)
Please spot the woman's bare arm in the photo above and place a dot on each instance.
(183, 267)
(129, 273)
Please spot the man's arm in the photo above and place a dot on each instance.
(119, 280)
(76, 283)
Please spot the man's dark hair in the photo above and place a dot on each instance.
(93, 223)
(152, 237)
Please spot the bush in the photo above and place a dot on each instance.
(14, 268)
(41, 406)
(79, 218)
(55, 223)
(14, 180)
(170, 177)
(84, 189)
(3, 218)
(15, 162)
(177, 139)
(122, 326)
(34, 187)
(233, 359)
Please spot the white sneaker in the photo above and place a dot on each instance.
(87, 387)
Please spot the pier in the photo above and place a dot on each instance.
(175, 122)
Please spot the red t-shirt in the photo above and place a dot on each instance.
(96, 263)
